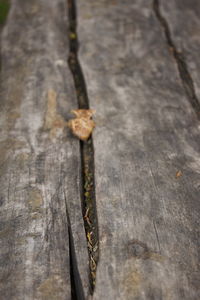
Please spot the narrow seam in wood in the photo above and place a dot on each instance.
(184, 74)
(86, 151)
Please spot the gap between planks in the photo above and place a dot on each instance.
(86, 151)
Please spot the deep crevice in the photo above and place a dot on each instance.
(180, 60)
(76, 285)
(86, 151)
(75, 280)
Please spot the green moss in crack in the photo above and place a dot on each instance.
(4, 9)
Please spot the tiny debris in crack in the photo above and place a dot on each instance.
(179, 174)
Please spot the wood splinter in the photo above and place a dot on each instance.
(83, 125)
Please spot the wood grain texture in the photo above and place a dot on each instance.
(147, 136)
(183, 20)
(40, 168)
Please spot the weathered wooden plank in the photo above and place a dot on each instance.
(183, 20)
(41, 227)
(147, 165)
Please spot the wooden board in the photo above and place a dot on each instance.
(182, 17)
(42, 237)
(147, 164)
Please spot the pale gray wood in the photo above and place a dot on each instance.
(183, 19)
(146, 132)
(40, 160)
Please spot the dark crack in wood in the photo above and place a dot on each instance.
(76, 285)
(185, 76)
(86, 150)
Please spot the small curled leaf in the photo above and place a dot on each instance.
(83, 125)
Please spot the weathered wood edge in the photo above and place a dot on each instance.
(40, 160)
(146, 133)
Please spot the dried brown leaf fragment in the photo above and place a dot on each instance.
(179, 174)
(83, 125)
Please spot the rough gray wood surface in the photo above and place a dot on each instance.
(41, 223)
(183, 20)
(147, 163)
